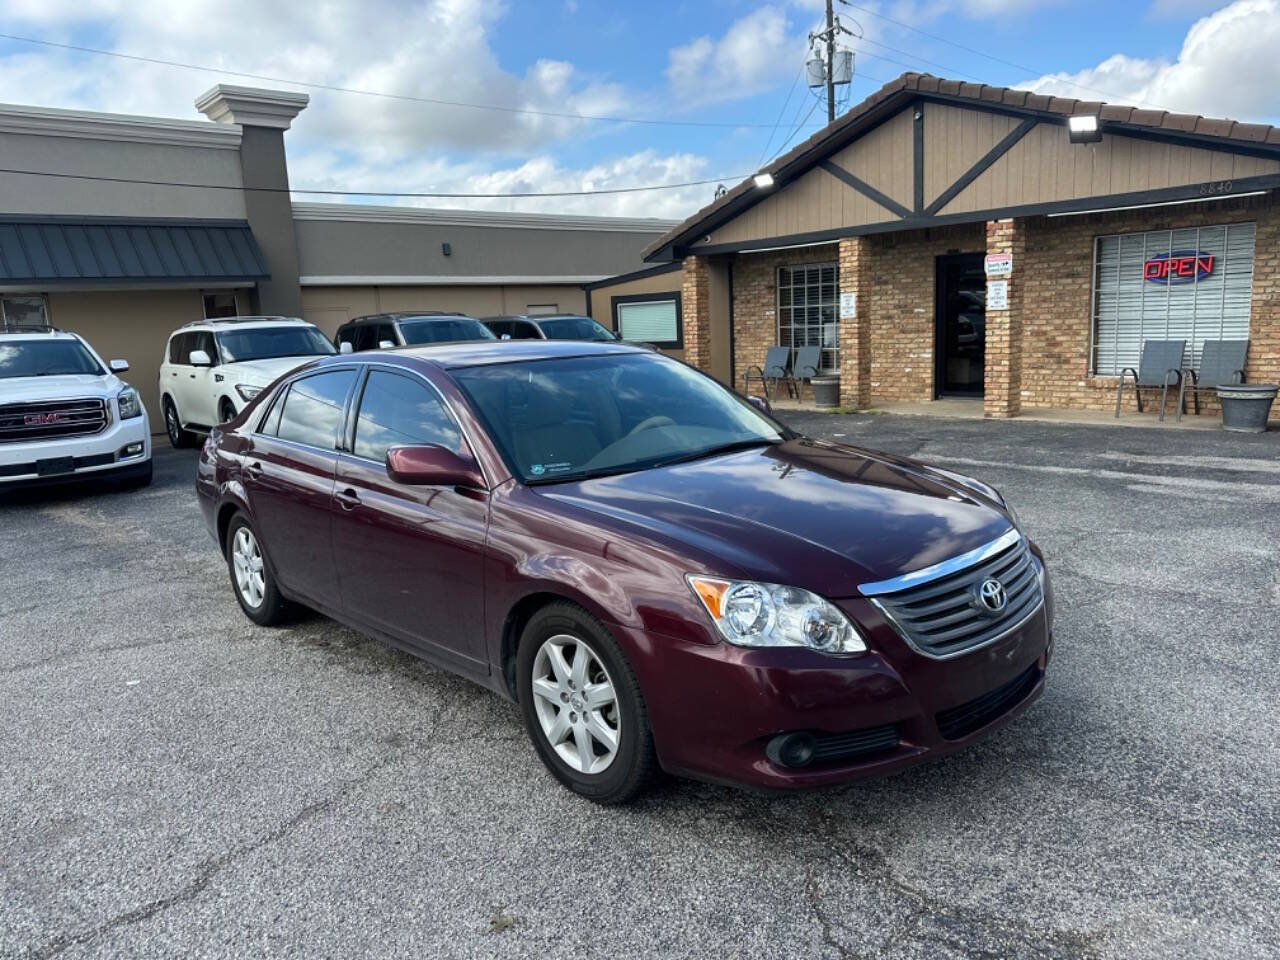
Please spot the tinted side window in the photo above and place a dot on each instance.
(203, 340)
(499, 328)
(271, 422)
(386, 332)
(346, 335)
(179, 348)
(365, 338)
(399, 411)
(312, 412)
(522, 330)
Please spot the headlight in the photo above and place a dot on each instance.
(129, 403)
(751, 614)
(247, 392)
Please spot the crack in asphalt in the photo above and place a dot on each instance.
(1012, 937)
(205, 873)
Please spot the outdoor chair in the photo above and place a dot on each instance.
(806, 366)
(776, 369)
(1221, 362)
(1160, 366)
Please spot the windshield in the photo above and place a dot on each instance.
(574, 328)
(46, 358)
(450, 330)
(557, 420)
(266, 343)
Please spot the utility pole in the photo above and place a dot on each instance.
(831, 55)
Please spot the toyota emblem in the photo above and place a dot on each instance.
(992, 596)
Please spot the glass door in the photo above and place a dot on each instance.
(961, 348)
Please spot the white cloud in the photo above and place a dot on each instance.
(756, 52)
(1227, 67)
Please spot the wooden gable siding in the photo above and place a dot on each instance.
(1044, 167)
(817, 200)
(955, 139)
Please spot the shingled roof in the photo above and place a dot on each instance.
(898, 93)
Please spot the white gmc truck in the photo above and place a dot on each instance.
(65, 415)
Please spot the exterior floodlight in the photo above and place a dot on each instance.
(1084, 128)
(764, 180)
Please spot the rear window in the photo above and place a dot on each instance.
(46, 358)
(444, 330)
(313, 409)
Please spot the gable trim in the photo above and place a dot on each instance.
(864, 188)
(981, 167)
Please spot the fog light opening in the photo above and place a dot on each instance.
(791, 749)
(131, 450)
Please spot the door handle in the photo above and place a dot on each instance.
(254, 470)
(348, 499)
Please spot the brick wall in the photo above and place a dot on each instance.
(1002, 375)
(902, 305)
(695, 312)
(755, 301)
(1058, 287)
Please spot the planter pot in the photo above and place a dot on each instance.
(826, 391)
(1246, 406)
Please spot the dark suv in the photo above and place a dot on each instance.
(408, 328)
(559, 326)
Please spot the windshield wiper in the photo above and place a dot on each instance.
(722, 448)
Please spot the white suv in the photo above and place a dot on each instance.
(65, 415)
(212, 368)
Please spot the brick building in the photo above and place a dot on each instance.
(949, 238)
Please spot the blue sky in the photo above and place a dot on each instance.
(730, 62)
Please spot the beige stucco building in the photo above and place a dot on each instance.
(123, 228)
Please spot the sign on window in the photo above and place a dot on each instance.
(1193, 284)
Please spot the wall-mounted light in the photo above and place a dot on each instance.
(446, 249)
(1084, 128)
(764, 180)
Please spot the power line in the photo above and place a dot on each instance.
(334, 88)
(1031, 71)
(371, 193)
(785, 103)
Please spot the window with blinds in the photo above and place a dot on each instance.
(1193, 284)
(808, 295)
(655, 320)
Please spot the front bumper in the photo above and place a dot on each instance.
(98, 456)
(715, 708)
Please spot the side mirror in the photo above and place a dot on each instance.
(199, 358)
(119, 366)
(431, 465)
(345, 347)
(385, 344)
(505, 336)
(761, 404)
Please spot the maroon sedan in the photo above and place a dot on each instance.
(656, 571)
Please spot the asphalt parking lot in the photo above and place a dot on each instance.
(177, 781)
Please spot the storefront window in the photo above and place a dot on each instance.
(219, 305)
(24, 311)
(808, 295)
(1193, 284)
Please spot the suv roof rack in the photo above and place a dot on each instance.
(8, 327)
(198, 323)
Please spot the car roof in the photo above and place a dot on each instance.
(231, 323)
(409, 315)
(476, 353)
(50, 333)
(537, 317)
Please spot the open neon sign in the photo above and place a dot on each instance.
(1180, 266)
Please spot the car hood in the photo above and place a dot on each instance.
(805, 512)
(261, 372)
(69, 387)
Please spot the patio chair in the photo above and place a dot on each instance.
(1221, 362)
(1160, 366)
(806, 366)
(776, 369)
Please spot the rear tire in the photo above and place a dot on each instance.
(587, 717)
(251, 578)
(178, 437)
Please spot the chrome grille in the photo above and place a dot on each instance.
(944, 616)
(51, 419)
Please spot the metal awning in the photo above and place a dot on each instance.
(59, 251)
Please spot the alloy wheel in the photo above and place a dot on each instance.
(171, 423)
(576, 704)
(246, 560)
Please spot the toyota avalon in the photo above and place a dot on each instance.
(657, 572)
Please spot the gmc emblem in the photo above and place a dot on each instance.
(35, 419)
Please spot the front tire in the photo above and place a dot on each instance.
(251, 578)
(583, 707)
(178, 438)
